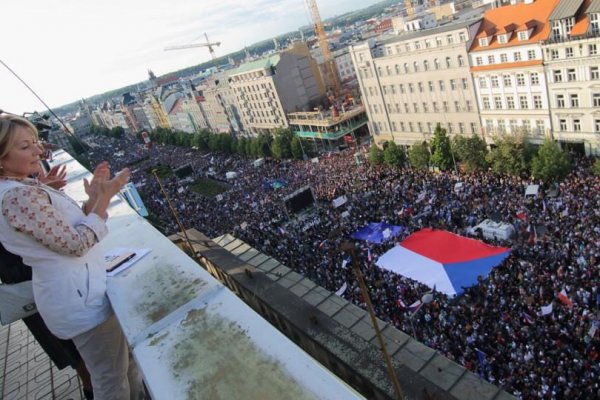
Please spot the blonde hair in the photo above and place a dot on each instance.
(8, 129)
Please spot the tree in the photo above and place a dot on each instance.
(471, 151)
(596, 167)
(418, 155)
(296, 148)
(375, 155)
(393, 155)
(511, 156)
(282, 144)
(117, 132)
(551, 164)
(442, 152)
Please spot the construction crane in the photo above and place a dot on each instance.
(207, 44)
(332, 79)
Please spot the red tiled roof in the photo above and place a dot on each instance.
(582, 22)
(521, 15)
(518, 64)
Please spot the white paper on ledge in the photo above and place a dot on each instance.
(139, 254)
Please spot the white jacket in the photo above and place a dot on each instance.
(69, 291)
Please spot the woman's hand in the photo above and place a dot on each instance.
(101, 188)
(55, 178)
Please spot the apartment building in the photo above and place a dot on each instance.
(508, 71)
(220, 106)
(572, 62)
(269, 88)
(411, 82)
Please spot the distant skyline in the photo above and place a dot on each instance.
(72, 49)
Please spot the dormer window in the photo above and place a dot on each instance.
(523, 35)
(502, 39)
(484, 42)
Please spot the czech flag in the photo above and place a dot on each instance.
(442, 259)
(564, 298)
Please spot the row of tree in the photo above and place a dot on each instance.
(510, 155)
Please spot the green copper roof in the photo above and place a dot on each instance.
(263, 63)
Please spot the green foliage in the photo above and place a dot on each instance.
(282, 144)
(418, 155)
(117, 132)
(511, 156)
(375, 155)
(261, 145)
(162, 171)
(393, 155)
(442, 152)
(296, 148)
(471, 151)
(551, 164)
(596, 167)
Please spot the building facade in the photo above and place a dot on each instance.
(508, 70)
(572, 62)
(414, 81)
(269, 88)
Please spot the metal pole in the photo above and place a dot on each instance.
(174, 212)
(349, 248)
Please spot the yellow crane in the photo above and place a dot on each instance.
(193, 45)
(332, 79)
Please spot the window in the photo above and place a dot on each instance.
(417, 46)
(577, 125)
(438, 41)
(502, 39)
(507, 80)
(523, 102)
(457, 106)
(416, 66)
(421, 90)
(527, 125)
(523, 35)
(540, 126)
(592, 49)
(425, 65)
(597, 125)
(537, 101)
(402, 128)
(569, 52)
(535, 79)
(430, 84)
(501, 125)
(498, 102)
(483, 83)
(411, 87)
(465, 83)
(450, 127)
(513, 125)
(462, 37)
(563, 124)
(574, 100)
(531, 54)
(489, 125)
(520, 79)
(473, 128)
(478, 60)
(450, 39)
(461, 127)
(468, 105)
(596, 99)
(416, 107)
(491, 59)
(594, 23)
(401, 87)
(406, 68)
(554, 54)
(461, 61)
(445, 106)
(397, 107)
(517, 55)
(448, 62)
(483, 42)
(560, 101)
(453, 84)
(397, 69)
(394, 126)
(594, 73)
(388, 107)
(425, 107)
(510, 102)
(429, 127)
(436, 63)
(393, 89)
(571, 75)
(486, 103)
(442, 86)
(494, 81)
(410, 127)
(435, 106)
(557, 75)
(406, 109)
(420, 126)
(503, 58)
(384, 89)
(427, 43)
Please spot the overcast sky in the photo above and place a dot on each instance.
(70, 49)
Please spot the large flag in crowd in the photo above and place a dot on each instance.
(377, 232)
(442, 259)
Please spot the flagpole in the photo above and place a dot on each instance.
(348, 247)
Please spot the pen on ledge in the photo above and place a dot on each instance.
(122, 262)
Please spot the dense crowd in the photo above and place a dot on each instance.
(534, 356)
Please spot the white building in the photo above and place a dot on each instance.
(508, 71)
(572, 62)
(411, 82)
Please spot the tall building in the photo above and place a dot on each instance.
(220, 106)
(508, 71)
(572, 62)
(413, 81)
(269, 88)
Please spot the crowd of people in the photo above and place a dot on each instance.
(496, 328)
